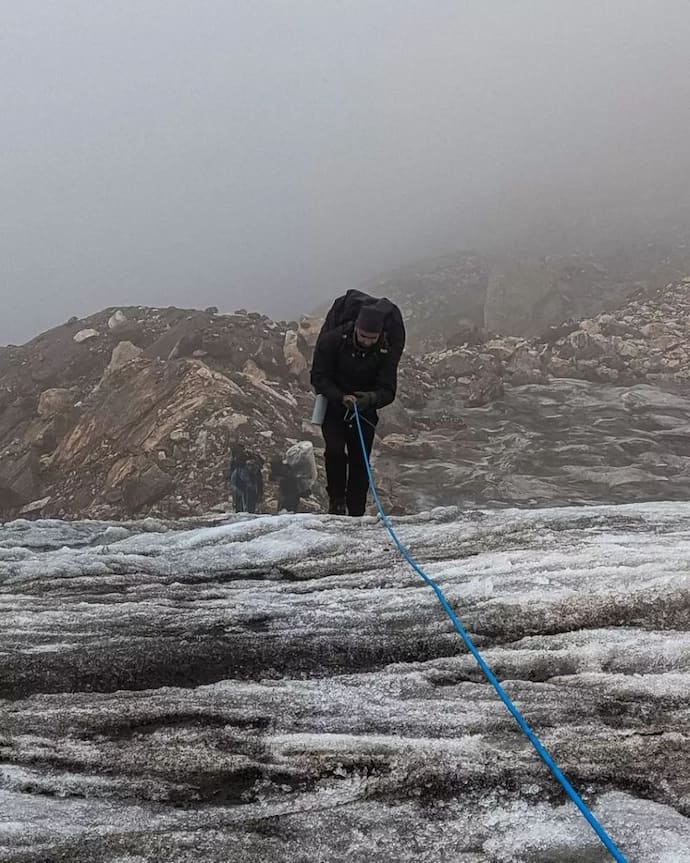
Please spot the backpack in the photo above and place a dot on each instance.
(346, 308)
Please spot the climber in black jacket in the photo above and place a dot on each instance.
(353, 363)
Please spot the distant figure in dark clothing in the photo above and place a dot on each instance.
(295, 475)
(288, 488)
(245, 480)
(355, 363)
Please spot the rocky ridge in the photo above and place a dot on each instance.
(135, 407)
(599, 412)
(133, 410)
(645, 340)
(445, 298)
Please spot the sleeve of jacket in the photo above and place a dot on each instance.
(323, 367)
(387, 381)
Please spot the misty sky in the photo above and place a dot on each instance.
(268, 154)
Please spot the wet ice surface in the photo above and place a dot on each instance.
(286, 689)
(562, 442)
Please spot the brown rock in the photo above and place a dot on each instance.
(36, 506)
(409, 446)
(525, 366)
(502, 348)
(179, 341)
(458, 362)
(54, 401)
(252, 371)
(123, 353)
(653, 330)
(19, 481)
(295, 360)
(147, 487)
(485, 389)
(580, 345)
(467, 333)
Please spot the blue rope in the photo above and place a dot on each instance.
(543, 754)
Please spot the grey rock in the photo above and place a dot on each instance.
(85, 335)
(123, 353)
(117, 321)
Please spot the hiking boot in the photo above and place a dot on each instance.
(336, 506)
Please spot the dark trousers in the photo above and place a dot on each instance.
(245, 500)
(288, 495)
(346, 471)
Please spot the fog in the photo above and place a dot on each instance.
(270, 153)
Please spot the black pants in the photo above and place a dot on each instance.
(346, 471)
(288, 494)
(245, 500)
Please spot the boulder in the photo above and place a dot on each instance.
(294, 359)
(591, 327)
(85, 335)
(467, 333)
(309, 327)
(252, 371)
(123, 353)
(653, 330)
(146, 487)
(459, 362)
(117, 321)
(484, 389)
(580, 345)
(19, 481)
(525, 366)
(181, 340)
(36, 506)
(54, 401)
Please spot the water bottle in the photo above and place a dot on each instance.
(319, 411)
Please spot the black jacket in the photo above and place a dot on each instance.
(341, 367)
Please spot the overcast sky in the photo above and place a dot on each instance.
(271, 153)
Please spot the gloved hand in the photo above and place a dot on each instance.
(366, 400)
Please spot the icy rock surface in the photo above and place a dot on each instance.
(286, 689)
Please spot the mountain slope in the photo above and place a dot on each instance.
(135, 411)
